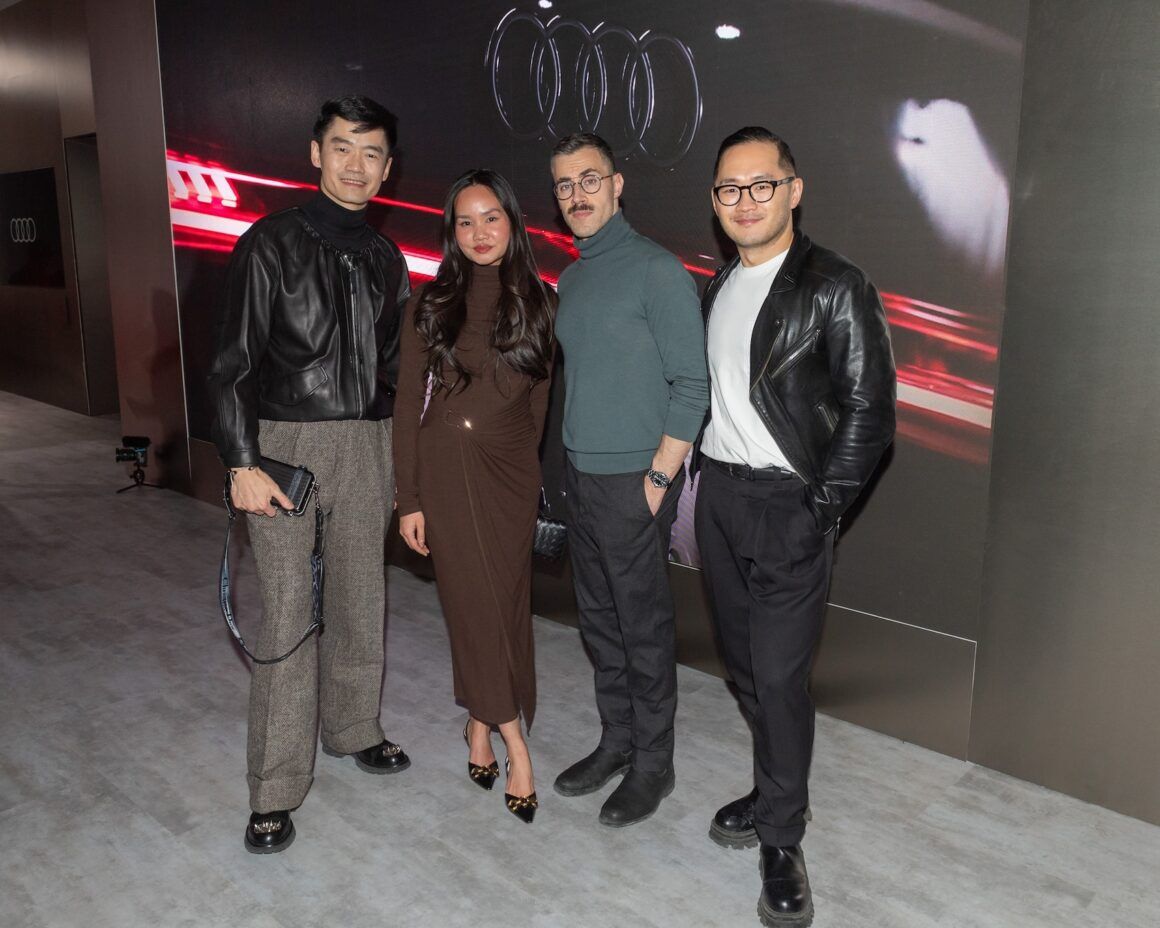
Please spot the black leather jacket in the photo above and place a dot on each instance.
(822, 372)
(307, 332)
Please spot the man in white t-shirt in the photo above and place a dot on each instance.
(802, 408)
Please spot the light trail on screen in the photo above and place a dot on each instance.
(207, 213)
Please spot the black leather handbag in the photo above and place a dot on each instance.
(551, 534)
(296, 482)
(300, 486)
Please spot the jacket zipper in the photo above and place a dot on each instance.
(828, 417)
(792, 357)
(352, 272)
(795, 354)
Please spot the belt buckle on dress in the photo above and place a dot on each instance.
(451, 417)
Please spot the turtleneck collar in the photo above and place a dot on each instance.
(344, 228)
(483, 293)
(484, 286)
(614, 232)
(485, 274)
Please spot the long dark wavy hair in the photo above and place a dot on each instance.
(522, 336)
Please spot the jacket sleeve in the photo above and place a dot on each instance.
(673, 312)
(389, 354)
(243, 331)
(862, 378)
(410, 395)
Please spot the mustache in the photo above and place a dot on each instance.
(578, 206)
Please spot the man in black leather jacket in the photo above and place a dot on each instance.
(304, 373)
(802, 408)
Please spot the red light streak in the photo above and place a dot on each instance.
(206, 217)
(195, 245)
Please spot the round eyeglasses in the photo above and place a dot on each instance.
(761, 191)
(589, 183)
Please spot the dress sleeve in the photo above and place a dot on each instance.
(411, 391)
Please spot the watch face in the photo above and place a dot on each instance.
(659, 480)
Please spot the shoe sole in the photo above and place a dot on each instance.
(772, 919)
(733, 840)
(740, 840)
(563, 791)
(369, 768)
(274, 849)
(637, 821)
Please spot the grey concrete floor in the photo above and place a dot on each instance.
(122, 761)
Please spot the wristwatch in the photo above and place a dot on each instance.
(660, 479)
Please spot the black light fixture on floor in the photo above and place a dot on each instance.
(135, 448)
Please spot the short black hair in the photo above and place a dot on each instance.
(570, 144)
(365, 113)
(756, 134)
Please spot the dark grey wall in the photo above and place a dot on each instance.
(92, 270)
(142, 287)
(1066, 687)
(45, 95)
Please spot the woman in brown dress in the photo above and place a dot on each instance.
(478, 339)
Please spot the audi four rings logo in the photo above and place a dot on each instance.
(640, 93)
(23, 231)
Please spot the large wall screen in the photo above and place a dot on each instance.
(902, 114)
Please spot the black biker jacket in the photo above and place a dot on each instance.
(821, 372)
(307, 332)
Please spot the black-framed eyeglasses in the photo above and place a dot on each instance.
(761, 191)
(589, 183)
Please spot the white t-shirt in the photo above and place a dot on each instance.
(735, 432)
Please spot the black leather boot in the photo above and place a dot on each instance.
(637, 797)
(785, 888)
(732, 826)
(591, 773)
(269, 832)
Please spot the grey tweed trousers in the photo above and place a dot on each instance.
(336, 677)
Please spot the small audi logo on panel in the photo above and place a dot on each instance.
(22, 231)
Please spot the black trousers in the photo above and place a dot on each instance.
(620, 571)
(767, 568)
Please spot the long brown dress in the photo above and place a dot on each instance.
(470, 464)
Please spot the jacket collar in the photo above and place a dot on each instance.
(770, 323)
(786, 279)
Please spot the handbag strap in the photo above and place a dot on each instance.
(316, 581)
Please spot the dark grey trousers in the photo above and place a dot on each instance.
(620, 571)
(339, 674)
(767, 568)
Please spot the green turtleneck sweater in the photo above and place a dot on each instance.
(629, 324)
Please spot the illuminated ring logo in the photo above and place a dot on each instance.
(641, 93)
(22, 231)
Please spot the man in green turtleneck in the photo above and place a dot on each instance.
(636, 394)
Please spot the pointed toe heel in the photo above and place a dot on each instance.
(522, 807)
(482, 775)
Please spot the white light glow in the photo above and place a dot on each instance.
(545, 4)
(949, 167)
(728, 32)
